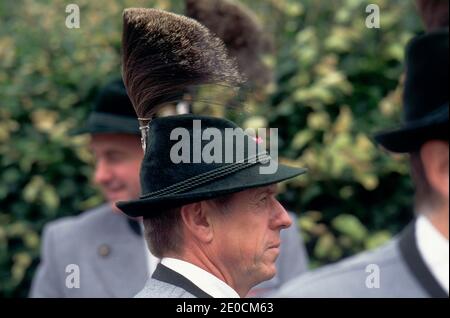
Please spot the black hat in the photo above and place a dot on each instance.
(425, 97)
(167, 184)
(112, 112)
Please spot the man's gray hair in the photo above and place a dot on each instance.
(164, 233)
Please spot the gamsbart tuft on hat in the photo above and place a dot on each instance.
(425, 96)
(165, 54)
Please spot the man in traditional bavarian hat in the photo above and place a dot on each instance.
(415, 263)
(212, 219)
(246, 40)
(107, 247)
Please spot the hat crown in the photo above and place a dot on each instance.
(159, 170)
(427, 75)
(425, 96)
(112, 112)
(113, 99)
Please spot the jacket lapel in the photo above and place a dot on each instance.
(416, 264)
(166, 275)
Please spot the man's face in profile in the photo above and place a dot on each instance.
(248, 233)
(118, 158)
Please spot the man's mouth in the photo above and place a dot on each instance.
(276, 245)
(113, 191)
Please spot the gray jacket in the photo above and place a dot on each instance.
(157, 289)
(109, 255)
(109, 252)
(394, 270)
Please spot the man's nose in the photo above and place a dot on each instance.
(102, 172)
(281, 218)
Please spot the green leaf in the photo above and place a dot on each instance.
(349, 225)
(324, 246)
(377, 239)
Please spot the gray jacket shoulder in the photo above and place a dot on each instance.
(378, 273)
(157, 289)
(83, 222)
(76, 240)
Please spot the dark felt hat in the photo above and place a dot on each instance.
(112, 112)
(425, 97)
(166, 182)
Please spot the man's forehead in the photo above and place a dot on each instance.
(272, 188)
(107, 137)
(114, 140)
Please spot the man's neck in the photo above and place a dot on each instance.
(439, 218)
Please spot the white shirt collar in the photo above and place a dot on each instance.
(204, 280)
(434, 248)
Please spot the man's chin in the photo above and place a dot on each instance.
(114, 207)
(269, 273)
(113, 199)
(273, 253)
(116, 196)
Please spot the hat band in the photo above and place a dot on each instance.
(210, 176)
(122, 123)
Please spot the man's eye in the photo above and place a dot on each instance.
(116, 157)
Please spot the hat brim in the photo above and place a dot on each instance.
(410, 137)
(245, 179)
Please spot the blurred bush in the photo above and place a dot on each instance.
(336, 83)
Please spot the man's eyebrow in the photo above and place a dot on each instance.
(272, 189)
(111, 152)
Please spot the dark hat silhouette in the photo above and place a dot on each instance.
(425, 96)
(112, 112)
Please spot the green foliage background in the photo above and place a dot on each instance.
(336, 83)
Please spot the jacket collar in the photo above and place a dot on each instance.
(415, 263)
(166, 275)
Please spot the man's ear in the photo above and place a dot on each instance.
(197, 221)
(434, 156)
